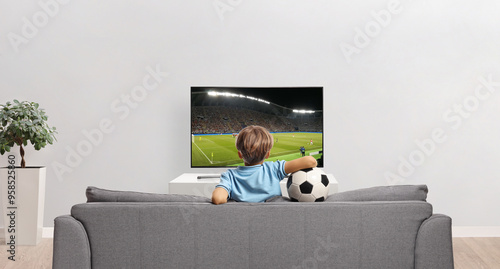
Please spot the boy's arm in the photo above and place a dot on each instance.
(219, 196)
(299, 164)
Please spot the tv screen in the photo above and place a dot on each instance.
(293, 115)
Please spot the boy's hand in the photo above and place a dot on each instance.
(299, 164)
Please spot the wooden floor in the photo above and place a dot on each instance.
(469, 253)
(476, 253)
(27, 257)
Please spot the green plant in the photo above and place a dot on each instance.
(22, 122)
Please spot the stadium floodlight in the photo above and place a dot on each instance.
(258, 99)
(228, 94)
(302, 111)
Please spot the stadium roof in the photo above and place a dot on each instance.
(309, 98)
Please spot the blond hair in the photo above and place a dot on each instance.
(254, 142)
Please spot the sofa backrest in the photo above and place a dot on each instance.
(246, 235)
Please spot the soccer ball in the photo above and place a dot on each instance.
(308, 185)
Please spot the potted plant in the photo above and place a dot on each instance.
(23, 188)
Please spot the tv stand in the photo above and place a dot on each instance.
(204, 184)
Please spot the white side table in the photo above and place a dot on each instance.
(188, 183)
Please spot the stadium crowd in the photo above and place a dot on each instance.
(217, 119)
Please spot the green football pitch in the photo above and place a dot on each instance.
(219, 150)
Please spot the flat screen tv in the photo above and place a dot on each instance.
(293, 115)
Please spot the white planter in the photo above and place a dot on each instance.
(29, 200)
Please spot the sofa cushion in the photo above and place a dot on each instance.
(95, 194)
(277, 199)
(382, 193)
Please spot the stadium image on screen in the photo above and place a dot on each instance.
(293, 115)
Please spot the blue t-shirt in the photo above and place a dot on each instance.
(253, 183)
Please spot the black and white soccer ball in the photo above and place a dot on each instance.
(308, 185)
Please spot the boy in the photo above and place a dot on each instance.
(257, 181)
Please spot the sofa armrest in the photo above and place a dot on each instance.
(71, 244)
(434, 247)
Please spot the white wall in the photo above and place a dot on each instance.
(394, 89)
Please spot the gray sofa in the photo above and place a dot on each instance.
(382, 227)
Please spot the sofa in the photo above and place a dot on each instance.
(379, 227)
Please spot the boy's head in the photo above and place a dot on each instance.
(254, 143)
